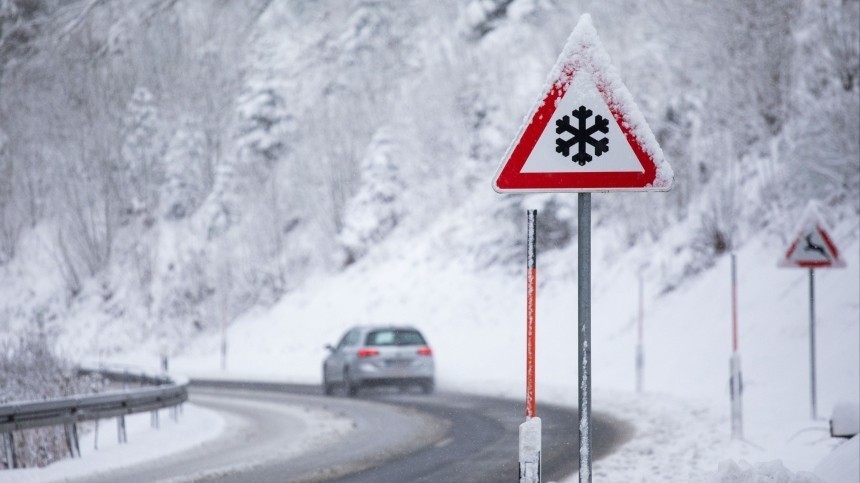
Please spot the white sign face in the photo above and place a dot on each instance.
(575, 132)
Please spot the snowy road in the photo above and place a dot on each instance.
(481, 443)
(281, 432)
(291, 433)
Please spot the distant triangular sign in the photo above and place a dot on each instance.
(585, 133)
(812, 247)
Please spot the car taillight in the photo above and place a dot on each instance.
(425, 351)
(367, 352)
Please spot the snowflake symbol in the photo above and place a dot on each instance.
(581, 135)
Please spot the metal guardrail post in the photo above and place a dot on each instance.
(121, 435)
(71, 432)
(9, 445)
(76, 440)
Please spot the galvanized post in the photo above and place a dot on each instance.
(71, 440)
(812, 388)
(121, 435)
(584, 302)
(153, 419)
(96, 436)
(75, 440)
(9, 444)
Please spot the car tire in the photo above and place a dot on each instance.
(349, 386)
(428, 387)
(327, 387)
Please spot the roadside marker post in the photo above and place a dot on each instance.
(812, 248)
(531, 304)
(736, 379)
(530, 431)
(584, 134)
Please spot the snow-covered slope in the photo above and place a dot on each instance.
(290, 169)
(475, 320)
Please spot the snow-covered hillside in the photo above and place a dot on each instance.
(168, 166)
(288, 169)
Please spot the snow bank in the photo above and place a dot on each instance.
(196, 426)
(843, 464)
(774, 472)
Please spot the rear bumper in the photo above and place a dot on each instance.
(397, 381)
(373, 374)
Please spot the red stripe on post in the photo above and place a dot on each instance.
(531, 298)
(530, 348)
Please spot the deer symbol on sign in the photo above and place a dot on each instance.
(812, 247)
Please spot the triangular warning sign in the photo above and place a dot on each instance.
(585, 133)
(812, 247)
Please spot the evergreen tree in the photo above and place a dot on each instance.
(142, 153)
(376, 209)
(185, 160)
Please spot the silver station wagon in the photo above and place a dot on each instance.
(369, 356)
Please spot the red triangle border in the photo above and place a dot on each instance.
(511, 179)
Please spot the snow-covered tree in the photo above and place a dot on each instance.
(142, 152)
(184, 165)
(10, 219)
(377, 207)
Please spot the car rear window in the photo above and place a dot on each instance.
(395, 337)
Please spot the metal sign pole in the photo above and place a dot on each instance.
(584, 302)
(812, 342)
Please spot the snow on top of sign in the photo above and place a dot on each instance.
(583, 51)
(811, 217)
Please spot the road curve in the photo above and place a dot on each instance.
(392, 437)
(478, 441)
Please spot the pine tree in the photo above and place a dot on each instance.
(376, 209)
(142, 153)
(184, 165)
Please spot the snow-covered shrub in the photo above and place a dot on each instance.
(30, 371)
(11, 221)
(774, 471)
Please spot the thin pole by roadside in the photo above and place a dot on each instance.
(584, 303)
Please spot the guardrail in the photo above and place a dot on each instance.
(166, 393)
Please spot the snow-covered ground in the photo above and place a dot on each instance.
(370, 133)
(475, 321)
(195, 426)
